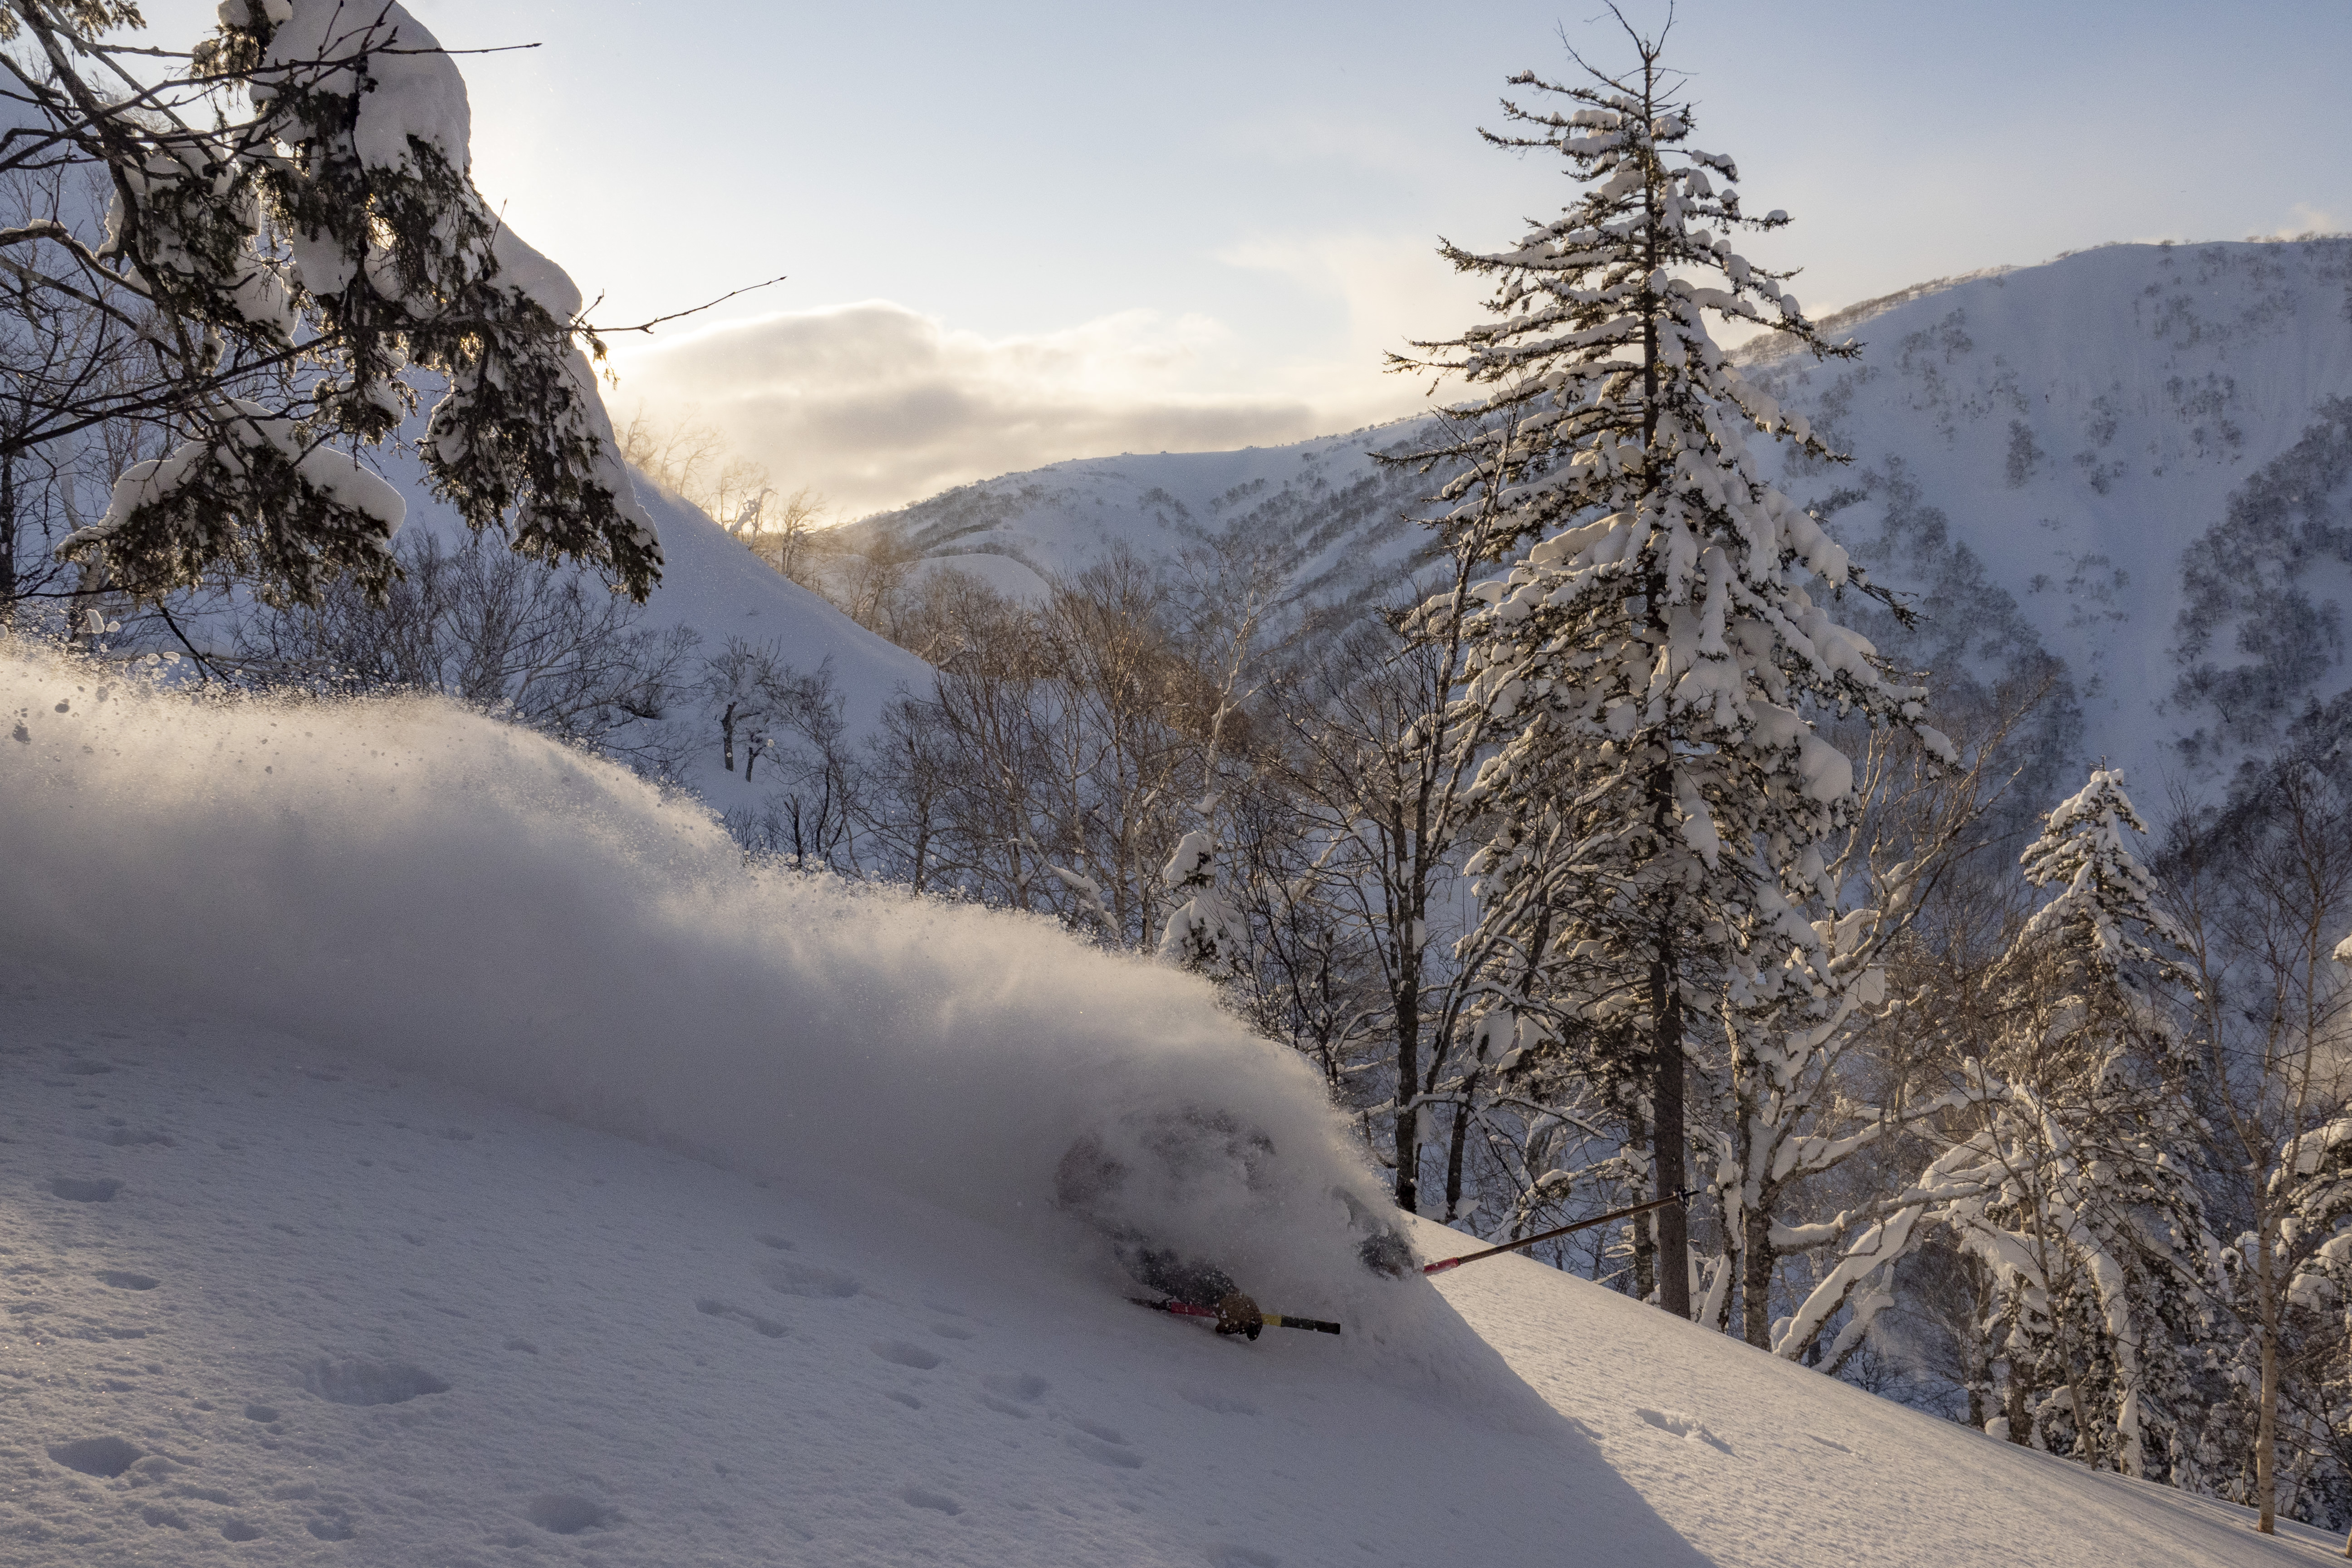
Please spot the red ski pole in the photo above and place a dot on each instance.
(1443, 1264)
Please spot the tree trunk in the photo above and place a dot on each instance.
(2266, 1425)
(1756, 1261)
(1668, 1138)
(2087, 1445)
(8, 536)
(1646, 1244)
(1408, 1082)
(2021, 1424)
(1453, 1150)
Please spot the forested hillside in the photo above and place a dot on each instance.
(2122, 459)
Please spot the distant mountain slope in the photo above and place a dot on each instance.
(712, 583)
(1341, 515)
(2079, 434)
(2120, 466)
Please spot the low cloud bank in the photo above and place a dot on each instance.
(878, 405)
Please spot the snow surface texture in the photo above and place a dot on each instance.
(272, 1303)
(446, 892)
(2038, 456)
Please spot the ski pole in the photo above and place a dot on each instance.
(1271, 1320)
(1443, 1264)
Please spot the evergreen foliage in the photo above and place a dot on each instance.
(294, 270)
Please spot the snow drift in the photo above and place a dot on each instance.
(410, 882)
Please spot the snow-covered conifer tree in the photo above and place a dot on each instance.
(1653, 651)
(2102, 926)
(2122, 1214)
(1204, 932)
(2125, 1262)
(2072, 1173)
(295, 238)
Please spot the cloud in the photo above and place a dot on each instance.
(875, 405)
(1394, 288)
(2308, 219)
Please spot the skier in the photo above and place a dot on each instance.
(1089, 1174)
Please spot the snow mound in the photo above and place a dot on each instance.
(412, 884)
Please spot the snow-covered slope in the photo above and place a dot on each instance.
(2062, 460)
(2087, 430)
(712, 584)
(311, 1309)
(1338, 516)
(298, 1272)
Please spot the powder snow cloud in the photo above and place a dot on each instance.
(430, 888)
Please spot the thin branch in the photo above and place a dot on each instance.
(680, 315)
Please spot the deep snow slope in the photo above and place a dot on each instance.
(272, 1302)
(319, 1025)
(2056, 462)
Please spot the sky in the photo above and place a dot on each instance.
(1016, 233)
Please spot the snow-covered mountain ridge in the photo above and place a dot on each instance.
(2125, 460)
(299, 1270)
(2086, 431)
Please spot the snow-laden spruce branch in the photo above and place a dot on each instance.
(292, 239)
